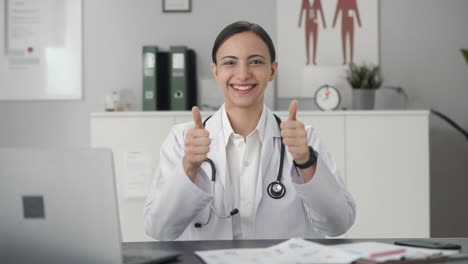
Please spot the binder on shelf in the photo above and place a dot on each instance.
(155, 79)
(150, 78)
(183, 88)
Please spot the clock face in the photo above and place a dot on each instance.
(327, 98)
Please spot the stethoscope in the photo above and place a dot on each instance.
(275, 189)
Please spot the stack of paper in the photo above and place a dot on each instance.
(299, 251)
(292, 251)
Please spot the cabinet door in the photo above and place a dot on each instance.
(135, 143)
(330, 130)
(388, 175)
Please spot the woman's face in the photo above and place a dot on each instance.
(243, 70)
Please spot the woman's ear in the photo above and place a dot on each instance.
(214, 69)
(274, 67)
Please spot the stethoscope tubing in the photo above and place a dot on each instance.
(275, 190)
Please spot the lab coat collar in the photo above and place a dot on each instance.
(271, 127)
(217, 151)
(218, 155)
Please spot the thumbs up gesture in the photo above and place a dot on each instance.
(197, 145)
(295, 136)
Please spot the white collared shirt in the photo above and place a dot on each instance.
(243, 161)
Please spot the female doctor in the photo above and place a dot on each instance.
(243, 173)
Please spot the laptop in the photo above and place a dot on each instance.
(60, 206)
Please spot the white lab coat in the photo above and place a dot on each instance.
(314, 209)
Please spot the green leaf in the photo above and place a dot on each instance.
(465, 54)
(364, 76)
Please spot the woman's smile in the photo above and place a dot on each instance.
(243, 88)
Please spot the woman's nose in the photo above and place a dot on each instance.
(243, 72)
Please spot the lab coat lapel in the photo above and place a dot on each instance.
(270, 150)
(218, 155)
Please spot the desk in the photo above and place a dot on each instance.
(188, 247)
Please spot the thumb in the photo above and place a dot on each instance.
(197, 117)
(292, 110)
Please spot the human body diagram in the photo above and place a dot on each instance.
(349, 11)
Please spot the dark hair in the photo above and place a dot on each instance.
(239, 27)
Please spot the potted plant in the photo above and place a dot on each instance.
(465, 54)
(365, 80)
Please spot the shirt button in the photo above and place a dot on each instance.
(245, 202)
(246, 163)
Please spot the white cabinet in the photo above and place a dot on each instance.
(387, 168)
(131, 135)
(383, 158)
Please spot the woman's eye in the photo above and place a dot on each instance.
(256, 62)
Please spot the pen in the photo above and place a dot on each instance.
(386, 253)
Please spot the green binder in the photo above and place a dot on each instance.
(150, 78)
(178, 81)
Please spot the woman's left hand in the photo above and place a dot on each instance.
(295, 137)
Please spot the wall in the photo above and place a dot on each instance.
(420, 42)
(420, 50)
(114, 31)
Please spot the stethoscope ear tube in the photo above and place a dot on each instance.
(233, 212)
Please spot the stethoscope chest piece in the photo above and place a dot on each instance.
(276, 190)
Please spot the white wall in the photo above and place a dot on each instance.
(114, 31)
(419, 49)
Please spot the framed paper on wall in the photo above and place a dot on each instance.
(177, 6)
(317, 39)
(41, 50)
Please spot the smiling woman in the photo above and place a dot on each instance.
(243, 69)
(235, 163)
(243, 57)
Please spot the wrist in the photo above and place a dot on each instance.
(304, 158)
(311, 160)
(189, 170)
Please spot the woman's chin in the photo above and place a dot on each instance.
(244, 102)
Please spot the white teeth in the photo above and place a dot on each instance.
(242, 88)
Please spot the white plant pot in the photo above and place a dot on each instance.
(363, 99)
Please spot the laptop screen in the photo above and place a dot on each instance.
(59, 206)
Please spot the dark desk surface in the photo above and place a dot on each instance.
(187, 248)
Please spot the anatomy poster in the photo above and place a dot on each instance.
(317, 39)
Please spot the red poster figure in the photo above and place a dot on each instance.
(311, 25)
(347, 24)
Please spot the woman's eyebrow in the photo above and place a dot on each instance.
(250, 57)
(256, 55)
(229, 57)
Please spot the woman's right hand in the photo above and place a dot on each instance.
(197, 146)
